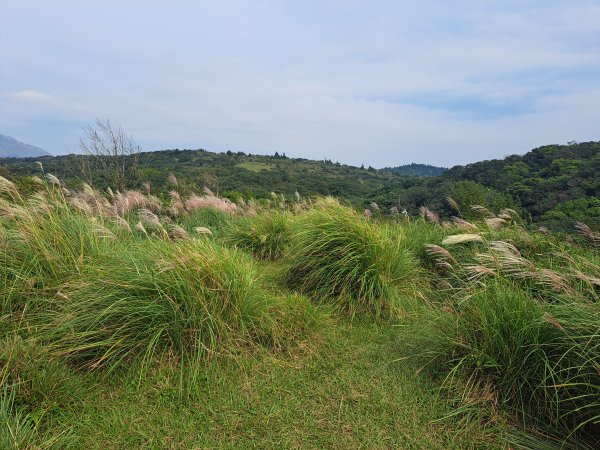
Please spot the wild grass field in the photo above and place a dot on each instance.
(197, 322)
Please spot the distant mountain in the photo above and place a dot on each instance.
(416, 169)
(11, 148)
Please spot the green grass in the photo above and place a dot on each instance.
(35, 391)
(340, 256)
(346, 392)
(16, 431)
(187, 300)
(526, 331)
(218, 222)
(265, 236)
(43, 244)
(124, 334)
(255, 166)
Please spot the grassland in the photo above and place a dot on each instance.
(130, 321)
(254, 166)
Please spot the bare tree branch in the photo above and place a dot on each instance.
(109, 149)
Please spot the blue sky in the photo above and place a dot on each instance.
(382, 83)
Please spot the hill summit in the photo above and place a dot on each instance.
(11, 148)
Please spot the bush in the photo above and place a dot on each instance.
(337, 254)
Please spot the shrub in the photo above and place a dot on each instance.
(337, 254)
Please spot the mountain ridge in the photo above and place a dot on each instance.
(553, 185)
(420, 170)
(12, 148)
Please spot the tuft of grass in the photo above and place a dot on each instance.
(34, 391)
(43, 243)
(215, 220)
(16, 430)
(418, 234)
(180, 300)
(541, 359)
(43, 384)
(363, 266)
(265, 236)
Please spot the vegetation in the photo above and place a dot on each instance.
(231, 175)
(339, 255)
(553, 186)
(544, 180)
(416, 169)
(517, 316)
(156, 298)
(182, 319)
(266, 236)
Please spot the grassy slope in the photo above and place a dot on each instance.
(347, 393)
(349, 385)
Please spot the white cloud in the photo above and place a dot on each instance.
(32, 97)
(352, 81)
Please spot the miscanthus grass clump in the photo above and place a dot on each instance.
(43, 242)
(217, 222)
(521, 325)
(183, 300)
(266, 236)
(340, 256)
(540, 359)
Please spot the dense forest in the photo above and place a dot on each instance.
(416, 169)
(553, 185)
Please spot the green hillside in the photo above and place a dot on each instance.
(554, 185)
(231, 174)
(551, 183)
(416, 169)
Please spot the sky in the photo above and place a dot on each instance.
(380, 83)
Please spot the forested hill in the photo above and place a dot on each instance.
(554, 185)
(549, 182)
(416, 169)
(232, 174)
